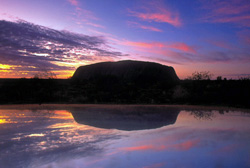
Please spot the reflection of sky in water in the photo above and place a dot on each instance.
(43, 138)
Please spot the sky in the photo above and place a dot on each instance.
(58, 36)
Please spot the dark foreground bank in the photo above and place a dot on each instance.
(234, 93)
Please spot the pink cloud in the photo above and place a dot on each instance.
(84, 16)
(185, 145)
(221, 44)
(228, 11)
(144, 44)
(73, 2)
(176, 46)
(161, 60)
(183, 47)
(227, 149)
(157, 165)
(95, 25)
(158, 17)
(151, 28)
(242, 20)
(244, 36)
(178, 57)
(157, 12)
(138, 148)
(144, 147)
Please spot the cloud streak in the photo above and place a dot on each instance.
(157, 12)
(73, 2)
(227, 11)
(157, 165)
(143, 148)
(84, 16)
(182, 146)
(175, 45)
(150, 28)
(244, 36)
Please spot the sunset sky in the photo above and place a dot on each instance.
(60, 35)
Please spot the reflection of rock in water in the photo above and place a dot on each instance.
(126, 118)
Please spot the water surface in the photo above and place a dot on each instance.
(123, 136)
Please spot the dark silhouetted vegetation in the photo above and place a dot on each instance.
(114, 90)
(204, 75)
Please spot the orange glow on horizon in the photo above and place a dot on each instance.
(5, 66)
(181, 71)
(3, 121)
(62, 114)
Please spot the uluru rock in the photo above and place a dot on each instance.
(127, 118)
(126, 70)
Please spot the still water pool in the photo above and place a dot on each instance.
(106, 136)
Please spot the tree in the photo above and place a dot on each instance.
(219, 78)
(45, 75)
(203, 75)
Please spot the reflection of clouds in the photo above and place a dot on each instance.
(36, 135)
(192, 140)
(50, 137)
(54, 139)
(6, 120)
(186, 145)
(227, 148)
(181, 146)
(143, 148)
